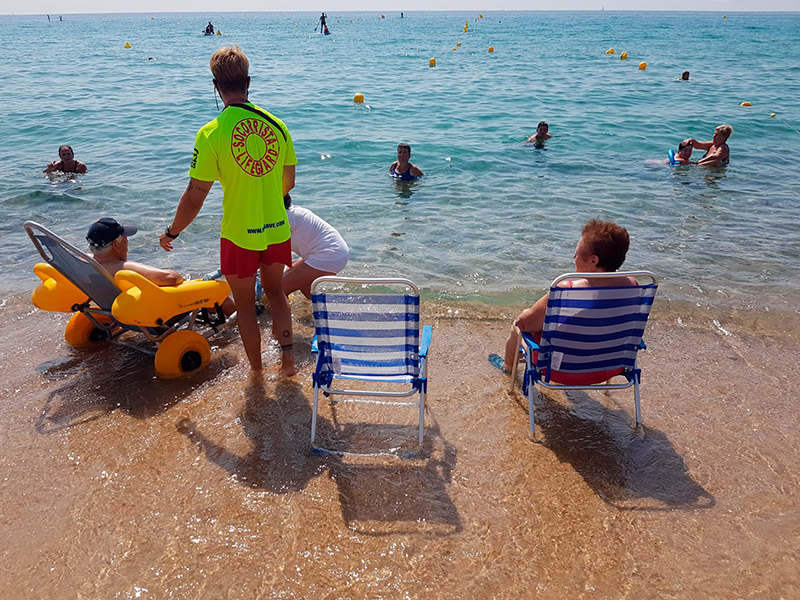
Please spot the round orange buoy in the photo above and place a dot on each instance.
(358, 98)
(642, 66)
(610, 51)
(745, 104)
(491, 48)
(623, 56)
(458, 44)
(432, 62)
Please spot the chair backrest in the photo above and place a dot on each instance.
(595, 328)
(84, 272)
(370, 331)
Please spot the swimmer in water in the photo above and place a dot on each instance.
(684, 76)
(402, 169)
(717, 151)
(684, 152)
(67, 164)
(542, 134)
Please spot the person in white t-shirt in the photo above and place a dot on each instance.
(322, 250)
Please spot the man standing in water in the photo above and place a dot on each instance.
(251, 153)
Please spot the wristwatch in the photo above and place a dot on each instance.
(169, 234)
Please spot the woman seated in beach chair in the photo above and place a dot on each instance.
(601, 249)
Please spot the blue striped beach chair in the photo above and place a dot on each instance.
(372, 335)
(590, 335)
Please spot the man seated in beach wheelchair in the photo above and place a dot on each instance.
(111, 295)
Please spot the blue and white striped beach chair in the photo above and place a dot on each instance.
(590, 335)
(371, 334)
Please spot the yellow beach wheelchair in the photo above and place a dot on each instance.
(105, 307)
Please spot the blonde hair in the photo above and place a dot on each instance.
(230, 68)
(726, 130)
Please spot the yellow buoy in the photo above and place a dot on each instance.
(610, 51)
(454, 49)
(458, 44)
(745, 104)
(623, 56)
(219, 32)
(127, 44)
(724, 16)
(772, 115)
(481, 16)
(432, 62)
(358, 98)
(491, 48)
(642, 66)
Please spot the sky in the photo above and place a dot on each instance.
(59, 7)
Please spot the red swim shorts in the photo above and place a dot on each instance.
(238, 261)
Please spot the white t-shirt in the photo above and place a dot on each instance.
(316, 241)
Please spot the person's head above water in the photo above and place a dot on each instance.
(685, 148)
(722, 132)
(685, 76)
(403, 152)
(602, 247)
(65, 152)
(105, 231)
(230, 68)
(542, 127)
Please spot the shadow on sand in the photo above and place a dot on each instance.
(380, 496)
(628, 468)
(115, 377)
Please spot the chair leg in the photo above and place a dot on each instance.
(314, 415)
(514, 367)
(421, 415)
(636, 382)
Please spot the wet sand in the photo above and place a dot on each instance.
(118, 485)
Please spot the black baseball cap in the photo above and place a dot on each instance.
(106, 230)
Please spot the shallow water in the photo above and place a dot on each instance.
(494, 218)
(118, 484)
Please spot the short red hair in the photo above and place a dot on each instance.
(608, 241)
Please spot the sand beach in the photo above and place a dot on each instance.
(119, 485)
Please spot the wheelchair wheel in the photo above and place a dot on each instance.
(81, 331)
(181, 354)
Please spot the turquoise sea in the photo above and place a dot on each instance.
(494, 219)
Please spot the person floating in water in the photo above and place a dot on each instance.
(402, 169)
(684, 152)
(684, 76)
(717, 151)
(323, 26)
(542, 134)
(209, 29)
(67, 164)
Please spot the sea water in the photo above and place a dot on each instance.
(494, 219)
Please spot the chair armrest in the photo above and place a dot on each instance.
(530, 341)
(314, 347)
(425, 342)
